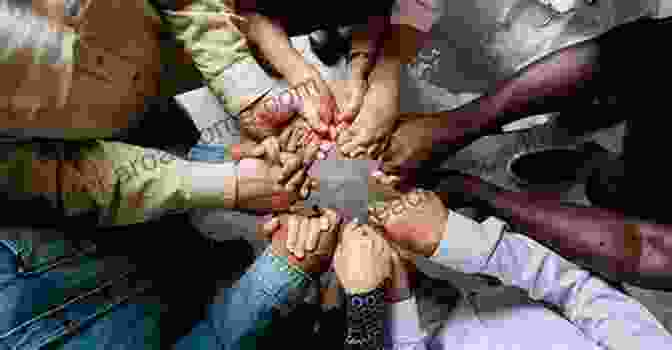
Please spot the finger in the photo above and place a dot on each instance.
(272, 149)
(374, 219)
(290, 164)
(304, 232)
(294, 139)
(332, 217)
(348, 147)
(349, 231)
(310, 139)
(292, 232)
(373, 236)
(305, 188)
(344, 136)
(333, 133)
(310, 153)
(348, 115)
(296, 180)
(269, 227)
(373, 150)
(324, 223)
(358, 151)
(314, 236)
(247, 150)
(285, 137)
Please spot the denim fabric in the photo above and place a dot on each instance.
(243, 312)
(214, 153)
(234, 320)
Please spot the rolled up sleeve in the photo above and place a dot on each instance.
(608, 317)
(123, 184)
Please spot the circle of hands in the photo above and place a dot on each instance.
(286, 133)
(365, 256)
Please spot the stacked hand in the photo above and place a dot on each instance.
(270, 178)
(363, 259)
(311, 99)
(366, 133)
(415, 222)
(307, 242)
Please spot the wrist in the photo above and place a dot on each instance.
(360, 64)
(299, 72)
(442, 237)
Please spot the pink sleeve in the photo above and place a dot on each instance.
(419, 14)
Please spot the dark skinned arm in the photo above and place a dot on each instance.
(564, 79)
(619, 247)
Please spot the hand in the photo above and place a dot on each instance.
(298, 137)
(375, 122)
(269, 116)
(415, 222)
(355, 90)
(317, 104)
(363, 259)
(410, 144)
(318, 259)
(304, 234)
(403, 275)
(260, 184)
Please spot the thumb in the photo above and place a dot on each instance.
(266, 229)
(243, 150)
(347, 115)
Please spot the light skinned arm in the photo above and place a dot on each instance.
(610, 318)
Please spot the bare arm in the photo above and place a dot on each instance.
(621, 248)
(563, 79)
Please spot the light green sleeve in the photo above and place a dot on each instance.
(222, 55)
(123, 184)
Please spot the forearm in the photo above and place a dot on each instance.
(242, 313)
(121, 184)
(366, 44)
(400, 44)
(608, 242)
(274, 45)
(562, 79)
(603, 314)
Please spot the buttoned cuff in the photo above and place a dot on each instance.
(209, 184)
(241, 84)
(402, 323)
(467, 245)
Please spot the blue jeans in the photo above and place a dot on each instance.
(233, 321)
(211, 153)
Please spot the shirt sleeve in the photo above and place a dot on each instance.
(123, 184)
(419, 14)
(222, 54)
(610, 318)
(242, 313)
(402, 326)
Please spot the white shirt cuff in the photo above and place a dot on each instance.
(402, 323)
(467, 245)
(209, 184)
